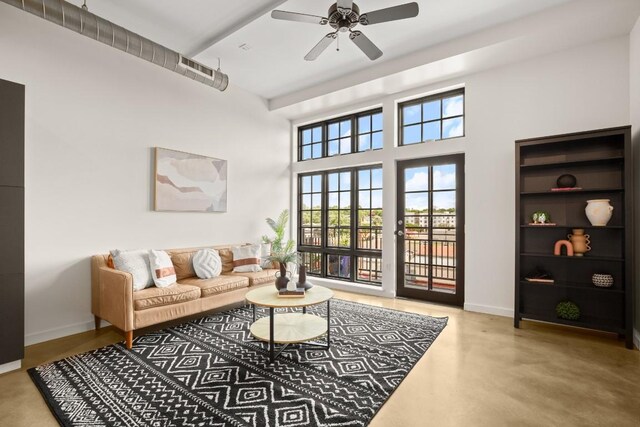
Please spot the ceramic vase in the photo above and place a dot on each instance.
(302, 278)
(599, 212)
(281, 277)
(602, 280)
(566, 181)
(579, 241)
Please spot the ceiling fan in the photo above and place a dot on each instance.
(343, 16)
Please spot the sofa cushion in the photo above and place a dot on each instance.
(246, 259)
(258, 277)
(162, 270)
(182, 262)
(217, 285)
(156, 297)
(137, 264)
(207, 263)
(227, 260)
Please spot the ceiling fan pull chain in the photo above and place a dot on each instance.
(338, 42)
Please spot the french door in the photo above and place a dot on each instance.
(430, 229)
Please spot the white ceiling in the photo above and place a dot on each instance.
(273, 67)
(178, 24)
(275, 64)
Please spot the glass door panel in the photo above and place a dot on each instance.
(430, 237)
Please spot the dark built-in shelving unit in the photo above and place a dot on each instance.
(11, 221)
(601, 161)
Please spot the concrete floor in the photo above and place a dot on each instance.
(479, 372)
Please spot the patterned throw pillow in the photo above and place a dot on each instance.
(162, 270)
(137, 264)
(207, 263)
(246, 259)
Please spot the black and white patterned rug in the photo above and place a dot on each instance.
(210, 372)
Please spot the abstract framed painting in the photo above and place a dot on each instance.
(187, 182)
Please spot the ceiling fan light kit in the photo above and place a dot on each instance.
(343, 16)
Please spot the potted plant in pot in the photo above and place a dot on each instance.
(282, 252)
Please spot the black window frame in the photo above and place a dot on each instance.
(354, 120)
(441, 119)
(324, 249)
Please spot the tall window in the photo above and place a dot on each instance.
(432, 118)
(340, 224)
(349, 134)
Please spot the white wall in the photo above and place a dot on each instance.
(578, 89)
(93, 114)
(634, 74)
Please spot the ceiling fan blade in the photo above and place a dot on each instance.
(345, 4)
(298, 17)
(403, 11)
(365, 45)
(321, 46)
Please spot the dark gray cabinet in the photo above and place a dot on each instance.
(11, 221)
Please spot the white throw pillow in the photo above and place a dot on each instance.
(162, 270)
(137, 264)
(265, 251)
(207, 263)
(246, 259)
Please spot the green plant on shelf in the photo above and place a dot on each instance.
(568, 310)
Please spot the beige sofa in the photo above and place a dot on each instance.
(113, 298)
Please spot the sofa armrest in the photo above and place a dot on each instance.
(116, 298)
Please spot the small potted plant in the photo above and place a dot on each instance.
(568, 310)
(282, 252)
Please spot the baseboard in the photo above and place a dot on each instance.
(636, 338)
(11, 366)
(63, 331)
(489, 309)
(352, 287)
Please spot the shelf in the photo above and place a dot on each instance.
(569, 285)
(555, 227)
(573, 163)
(584, 191)
(574, 258)
(599, 161)
(587, 322)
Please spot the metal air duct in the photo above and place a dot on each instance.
(86, 23)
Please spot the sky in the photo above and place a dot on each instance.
(417, 179)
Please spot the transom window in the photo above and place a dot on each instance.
(311, 143)
(432, 118)
(370, 131)
(340, 224)
(349, 134)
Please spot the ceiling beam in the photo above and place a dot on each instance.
(235, 26)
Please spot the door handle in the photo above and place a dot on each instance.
(399, 233)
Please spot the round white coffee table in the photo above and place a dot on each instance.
(289, 328)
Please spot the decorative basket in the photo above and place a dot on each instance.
(602, 280)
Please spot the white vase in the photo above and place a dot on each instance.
(599, 212)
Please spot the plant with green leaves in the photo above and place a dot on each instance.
(281, 251)
(568, 310)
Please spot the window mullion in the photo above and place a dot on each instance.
(325, 222)
(354, 220)
(354, 133)
(430, 233)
